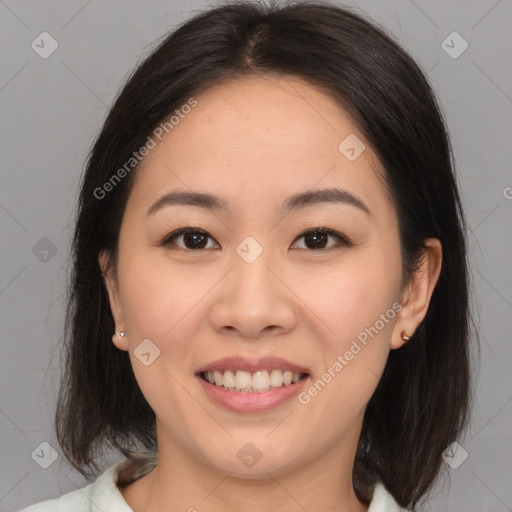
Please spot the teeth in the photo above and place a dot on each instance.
(276, 378)
(228, 381)
(243, 380)
(247, 382)
(217, 377)
(260, 381)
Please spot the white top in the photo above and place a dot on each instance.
(103, 495)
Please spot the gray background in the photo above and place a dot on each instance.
(53, 108)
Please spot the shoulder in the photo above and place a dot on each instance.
(102, 495)
(383, 501)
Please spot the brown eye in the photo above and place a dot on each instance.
(193, 239)
(318, 238)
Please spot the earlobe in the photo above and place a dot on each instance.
(118, 339)
(418, 293)
(400, 338)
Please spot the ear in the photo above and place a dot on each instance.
(115, 303)
(416, 296)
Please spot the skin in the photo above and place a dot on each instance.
(254, 142)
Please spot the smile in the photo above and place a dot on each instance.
(252, 382)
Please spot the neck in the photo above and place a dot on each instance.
(184, 482)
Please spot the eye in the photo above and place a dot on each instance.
(316, 239)
(193, 238)
(196, 239)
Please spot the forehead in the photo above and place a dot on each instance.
(261, 137)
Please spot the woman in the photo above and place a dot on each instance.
(269, 299)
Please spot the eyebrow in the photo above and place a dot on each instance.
(294, 202)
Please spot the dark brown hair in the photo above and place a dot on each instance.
(421, 403)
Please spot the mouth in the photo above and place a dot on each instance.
(252, 384)
(259, 381)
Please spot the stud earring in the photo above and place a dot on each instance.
(404, 336)
(122, 334)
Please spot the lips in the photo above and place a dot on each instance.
(257, 395)
(252, 365)
(257, 384)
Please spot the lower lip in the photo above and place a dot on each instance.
(238, 401)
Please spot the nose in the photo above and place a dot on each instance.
(253, 300)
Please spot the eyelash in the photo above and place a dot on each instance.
(343, 240)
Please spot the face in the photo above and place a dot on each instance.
(254, 291)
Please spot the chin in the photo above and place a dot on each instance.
(250, 463)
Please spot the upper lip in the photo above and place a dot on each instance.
(252, 364)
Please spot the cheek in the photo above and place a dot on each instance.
(357, 303)
(156, 294)
(158, 303)
(352, 295)
(351, 358)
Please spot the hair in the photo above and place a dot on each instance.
(421, 404)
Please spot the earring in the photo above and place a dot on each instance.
(404, 336)
(122, 334)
